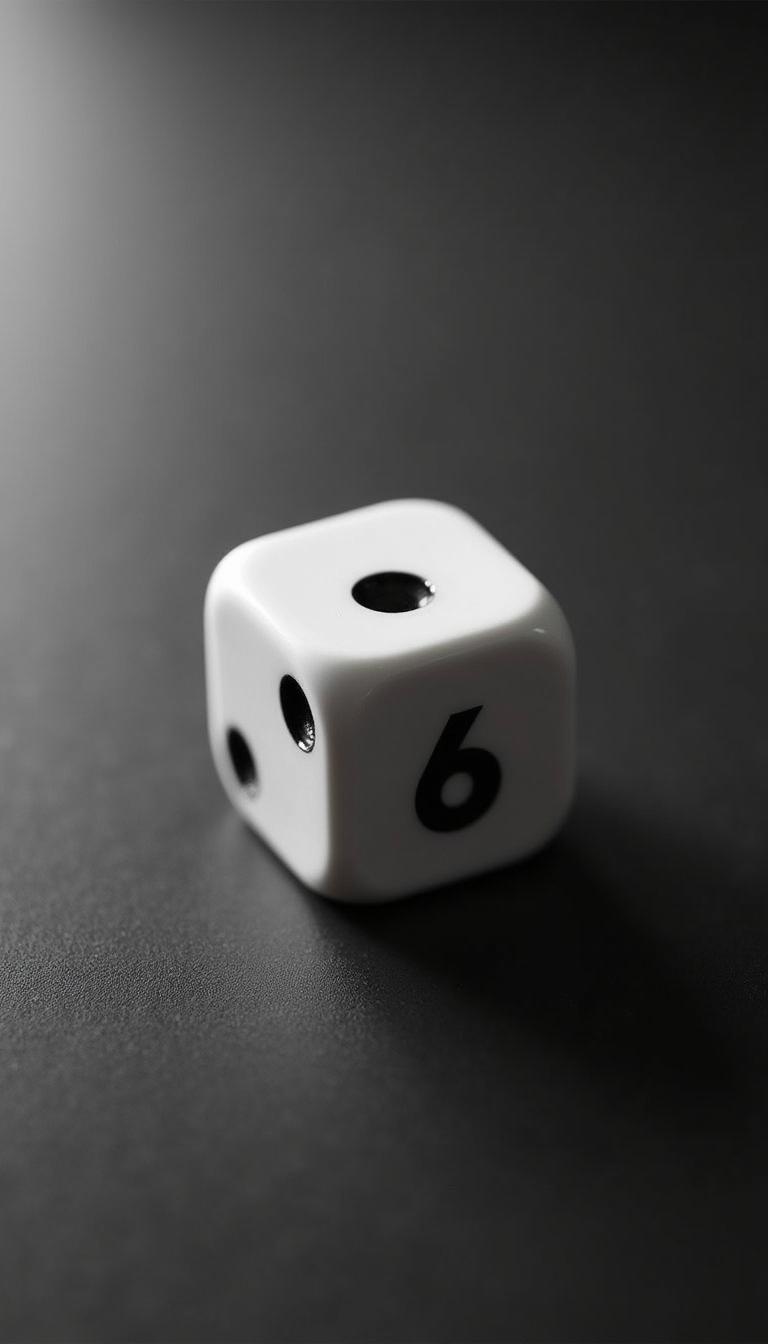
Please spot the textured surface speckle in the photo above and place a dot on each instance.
(262, 264)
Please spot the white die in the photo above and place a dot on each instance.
(380, 751)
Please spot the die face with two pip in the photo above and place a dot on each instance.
(390, 699)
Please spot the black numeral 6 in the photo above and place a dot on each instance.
(451, 758)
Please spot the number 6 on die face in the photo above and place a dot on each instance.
(449, 759)
(390, 699)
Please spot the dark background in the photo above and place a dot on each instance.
(261, 264)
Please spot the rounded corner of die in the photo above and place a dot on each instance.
(343, 889)
(213, 585)
(550, 627)
(222, 578)
(338, 876)
(218, 589)
(446, 508)
(560, 813)
(327, 882)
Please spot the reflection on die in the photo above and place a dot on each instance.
(390, 699)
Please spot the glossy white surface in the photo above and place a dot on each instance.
(382, 687)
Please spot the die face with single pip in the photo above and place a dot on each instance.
(390, 699)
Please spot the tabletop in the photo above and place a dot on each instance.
(261, 264)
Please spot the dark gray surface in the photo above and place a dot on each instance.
(260, 265)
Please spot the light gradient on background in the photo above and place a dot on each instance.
(262, 263)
